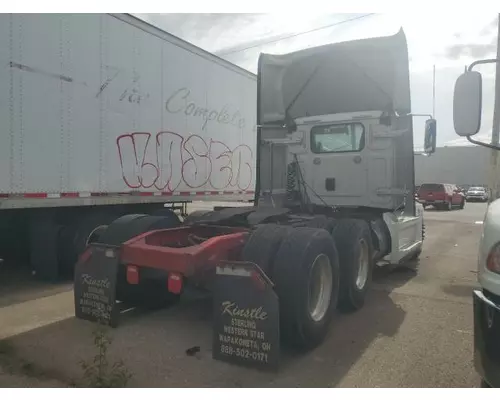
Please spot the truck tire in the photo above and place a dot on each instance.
(262, 246)
(131, 225)
(195, 216)
(163, 212)
(306, 277)
(354, 242)
(149, 294)
(322, 222)
(74, 238)
(96, 234)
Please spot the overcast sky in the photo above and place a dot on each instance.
(449, 42)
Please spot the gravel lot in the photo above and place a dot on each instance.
(414, 331)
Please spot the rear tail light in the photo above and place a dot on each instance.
(132, 275)
(493, 260)
(174, 283)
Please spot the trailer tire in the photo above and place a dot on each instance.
(262, 246)
(307, 259)
(354, 241)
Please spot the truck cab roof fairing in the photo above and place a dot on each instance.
(356, 76)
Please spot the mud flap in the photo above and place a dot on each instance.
(246, 317)
(95, 285)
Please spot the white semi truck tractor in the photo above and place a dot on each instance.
(334, 197)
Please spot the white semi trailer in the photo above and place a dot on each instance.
(103, 115)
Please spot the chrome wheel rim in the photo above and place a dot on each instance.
(320, 287)
(363, 265)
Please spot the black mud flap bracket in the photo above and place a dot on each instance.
(95, 282)
(246, 317)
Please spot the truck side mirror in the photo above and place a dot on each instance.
(430, 136)
(467, 103)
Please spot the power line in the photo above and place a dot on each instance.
(298, 34)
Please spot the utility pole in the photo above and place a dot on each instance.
(495, 165)
(434, 91)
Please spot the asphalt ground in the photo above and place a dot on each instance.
(415, 330)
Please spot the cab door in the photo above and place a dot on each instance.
(339, 169)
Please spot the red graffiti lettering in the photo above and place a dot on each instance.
(173, 161)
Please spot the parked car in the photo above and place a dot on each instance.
(477, 193)
(442, 196)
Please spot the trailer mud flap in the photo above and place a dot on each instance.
(95, 285)
(246, 317)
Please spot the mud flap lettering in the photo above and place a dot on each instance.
(246, 317)
(95, 285)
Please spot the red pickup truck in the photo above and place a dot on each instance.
(442, 196)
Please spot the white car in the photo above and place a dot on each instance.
(477, 193)
(487, 300)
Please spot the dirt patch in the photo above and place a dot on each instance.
(18, 372)
(459, 290)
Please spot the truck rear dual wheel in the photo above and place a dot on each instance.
(75, 237)
(355, 248)
(132, 225)
(262, 246)
(306, 275)
(322, 222)
(195, 216)
(311, 276)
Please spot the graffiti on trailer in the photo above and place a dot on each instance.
(167, 160)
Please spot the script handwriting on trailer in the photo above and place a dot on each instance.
(180, 101)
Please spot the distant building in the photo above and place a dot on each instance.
(464, 166)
